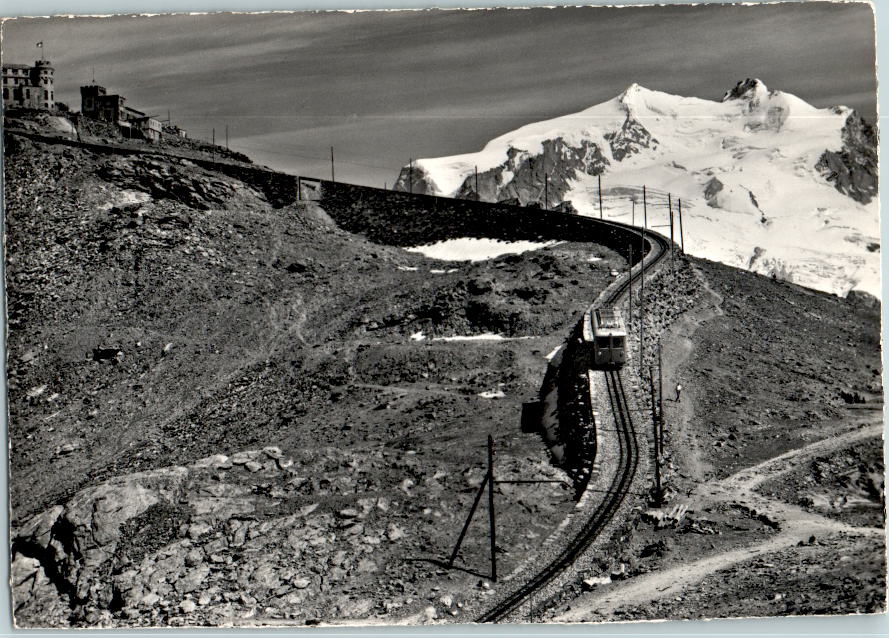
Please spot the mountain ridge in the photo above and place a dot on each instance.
(795, 185)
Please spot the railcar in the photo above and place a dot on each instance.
(606, 338)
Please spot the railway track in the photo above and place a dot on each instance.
(623, 478)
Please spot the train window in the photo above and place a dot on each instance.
(603, 342)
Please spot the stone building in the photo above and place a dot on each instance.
(28, 87)
(95, 103)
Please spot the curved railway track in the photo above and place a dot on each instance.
(627, 464)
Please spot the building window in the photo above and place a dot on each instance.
(46, 95)
(5, 94)
(28, 93)
(50, 95)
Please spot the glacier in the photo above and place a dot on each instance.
(767, 182)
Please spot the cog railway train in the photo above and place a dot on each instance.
(604, 338)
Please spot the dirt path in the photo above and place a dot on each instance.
(678, 348)
(796, 525)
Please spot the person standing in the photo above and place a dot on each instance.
(678, 392)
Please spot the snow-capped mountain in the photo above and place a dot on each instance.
(767, 181)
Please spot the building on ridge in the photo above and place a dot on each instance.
(96, 104)
(29, 87)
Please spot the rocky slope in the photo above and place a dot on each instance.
(792, 186)
(175, 339)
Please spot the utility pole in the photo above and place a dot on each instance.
(226, 137)
(410, 175)
(670, 206)
(477, 193)
(600, 195)
(631, 283)
(642, 283)
(332, 174)
(657, 451)
(681, 236)
(660, 394)
(491, 508)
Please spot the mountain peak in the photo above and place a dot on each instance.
(748, 89)
(633, 90)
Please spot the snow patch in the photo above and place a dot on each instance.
(488, 336)
(477, 249)
(418, 336)
(493, 394)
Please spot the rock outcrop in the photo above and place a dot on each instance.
(853, 170)
(199, 544)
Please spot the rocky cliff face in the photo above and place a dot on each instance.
(530, 179)
(853, 170)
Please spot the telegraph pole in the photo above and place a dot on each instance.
(332, 174)
(660, 394)
(657, 451)
(410, 173)
(600, 195)
(681, 238)
(226, 137)
(477, 193)
(631, 283)
(670, 206)
(491, 508)
(642, 281)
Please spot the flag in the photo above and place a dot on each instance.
(40, 45)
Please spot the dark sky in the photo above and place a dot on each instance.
(382, 87)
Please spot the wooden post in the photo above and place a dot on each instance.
(670, 205)
(332, 174)
(642, 281)
(477, 194)
(681, 238)
(491, 508)
(657, 451)
(660, 394)
(478, 498)
(600, 195)
(631, 284)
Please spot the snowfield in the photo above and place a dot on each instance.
(744, 169)
(477, 249)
